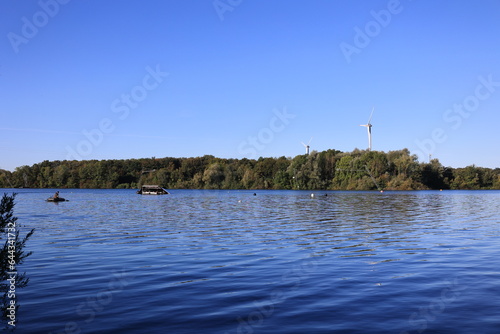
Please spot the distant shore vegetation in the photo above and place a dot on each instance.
(327, 170)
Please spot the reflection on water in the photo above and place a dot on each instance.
(278, 262)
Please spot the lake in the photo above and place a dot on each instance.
(229, 262)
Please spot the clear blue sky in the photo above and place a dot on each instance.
(79, 67)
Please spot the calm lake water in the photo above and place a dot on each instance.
(112, 261)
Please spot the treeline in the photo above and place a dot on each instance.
(331, 169)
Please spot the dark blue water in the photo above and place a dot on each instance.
(111, 261)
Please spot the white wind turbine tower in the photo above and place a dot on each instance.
(307, 146)
(369, 128)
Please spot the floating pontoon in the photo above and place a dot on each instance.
(152, 190)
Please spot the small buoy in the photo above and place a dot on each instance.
(440, 189)
(312, 195)
(381, 191)
(254, 194)
(239, 201)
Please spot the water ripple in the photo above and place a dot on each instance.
(277, 262)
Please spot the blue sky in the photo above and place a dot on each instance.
(234, 79)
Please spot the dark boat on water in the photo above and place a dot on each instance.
(152, 190)
(56, 199)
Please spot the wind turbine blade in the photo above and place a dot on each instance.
(310, 141)
(303, 144)
(369, 119)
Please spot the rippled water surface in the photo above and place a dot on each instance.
(111, 261)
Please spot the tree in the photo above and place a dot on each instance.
(466, 178)
(11, 256)
(433, 175)
(401, 162)
(249, 180)
(213, 176)
(5, 179)
(345, 171)
(61, 174)
(496, 180)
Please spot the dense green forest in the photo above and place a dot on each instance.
(331, 169)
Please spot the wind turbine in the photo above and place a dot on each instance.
(307, 146)
(369, 128)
